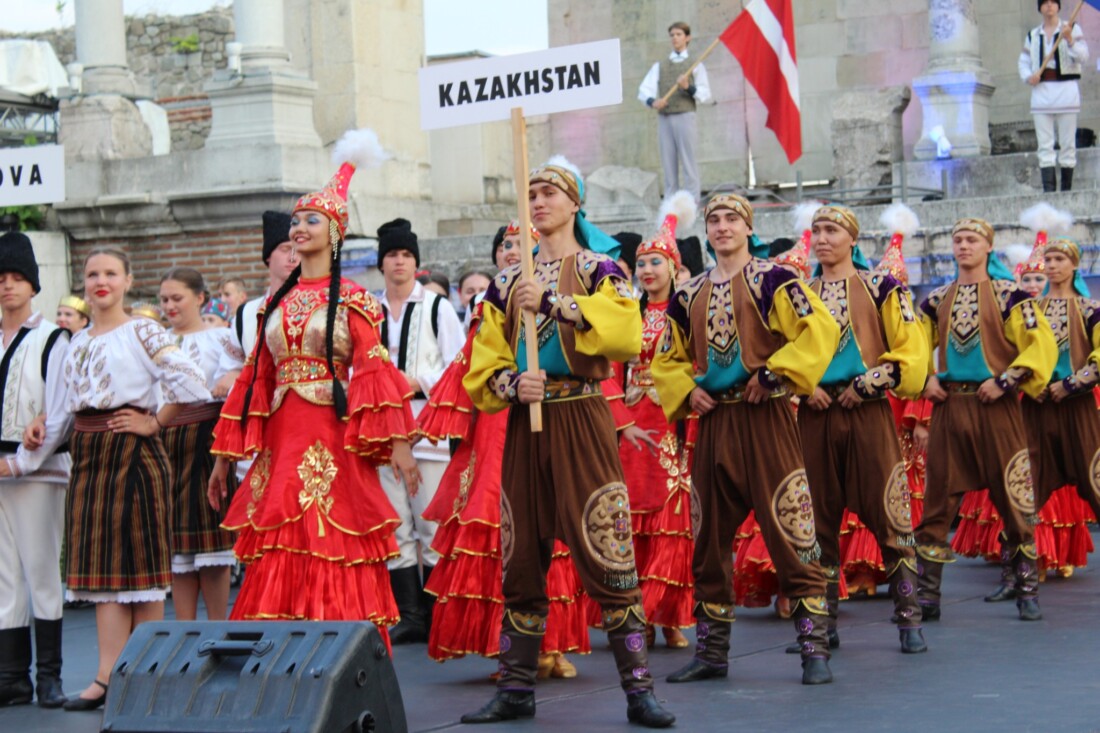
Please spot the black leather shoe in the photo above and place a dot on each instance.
(1029, 609)
(912, 641)
(930, 613)
(642, 708)
(1003, 593)
(696, 671)
(505, 705)
(82, 703)
(815, 671)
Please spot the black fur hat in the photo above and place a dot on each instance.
(17, 255)
(394, 235)
(691, 254)
(276, 231)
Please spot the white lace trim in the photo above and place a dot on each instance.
(192, 563)
(126, 596)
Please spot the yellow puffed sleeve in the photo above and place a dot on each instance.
(1029, 331)
(614, 323)
(931, 339)
(906, 343)
(812, 337)
(491, 353)
(673, 374)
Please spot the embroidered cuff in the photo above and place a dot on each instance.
(768, 378)
(1084, 378)
(505, 385)
(877, 380)
(562, 308)
(1011, 377)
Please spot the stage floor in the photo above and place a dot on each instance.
(985, 671)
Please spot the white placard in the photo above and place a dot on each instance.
(486, 90)
(32, 175)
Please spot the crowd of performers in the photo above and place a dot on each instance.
(751, 433)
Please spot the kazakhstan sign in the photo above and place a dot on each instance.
(486, 90)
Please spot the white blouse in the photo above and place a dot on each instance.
(124, 366)
(215, 351)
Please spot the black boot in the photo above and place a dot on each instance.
(1049, 179)
(1006, 591)
(47, 643)
(813, 638)
(832, 600)
(626, 635)
(1067, 179)
(712, 644)
(520, 638)
(427, 602)
(907, 612)
(406, 592)
(15, 666)
(1027, 582)
(929, 582)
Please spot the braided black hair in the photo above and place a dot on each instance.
(339, 397)
(271, 305)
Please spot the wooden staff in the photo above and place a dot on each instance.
(530, 332)
(1054, 47)
(676, 84)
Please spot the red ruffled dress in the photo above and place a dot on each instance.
(313, 523)
(861, 557)
(467, 580)
(660, 493)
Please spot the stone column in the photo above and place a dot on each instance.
(955, 89)
(101, 47)
(103, 123)
(267, 102)
(259, 29)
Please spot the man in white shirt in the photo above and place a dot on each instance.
(423, 335)
(676, 133)
(1055, 95)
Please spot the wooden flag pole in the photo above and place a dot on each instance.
(522, 171)
(1053, 49)
(676, 84)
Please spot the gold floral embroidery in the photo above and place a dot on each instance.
(964, 319)
(721, 329)
(317, 472)
(835, 296)
(465, 480)
(1057, 312)
(258, 479)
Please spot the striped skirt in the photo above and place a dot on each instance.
(118, 518)
(196, 526)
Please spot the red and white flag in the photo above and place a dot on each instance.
(761, 38)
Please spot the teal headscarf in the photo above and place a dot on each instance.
(1072, 250)
(846, 219)
(997, 269)
(561, 173)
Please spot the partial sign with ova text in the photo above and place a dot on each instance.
(486, 90)
(32, 175)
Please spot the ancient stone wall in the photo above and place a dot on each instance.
(172, 57)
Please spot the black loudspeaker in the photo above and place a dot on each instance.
(254, 677)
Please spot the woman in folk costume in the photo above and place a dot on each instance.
(467, 580)
(314, 525)
(202, 552)
(861, 558)
(118, 510)
(658, 481)
(73, 314)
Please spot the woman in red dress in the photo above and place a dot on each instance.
(314, 526)
(658, 480)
